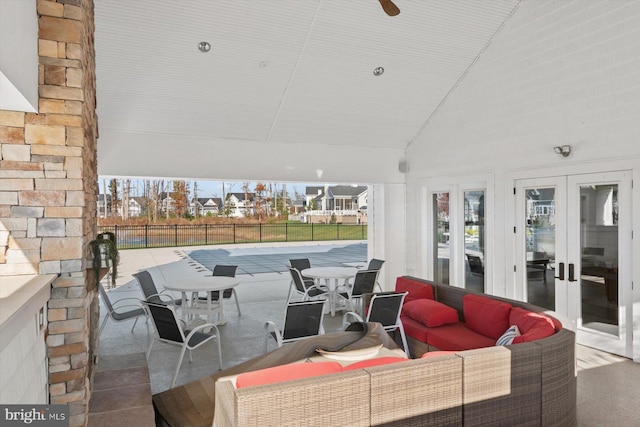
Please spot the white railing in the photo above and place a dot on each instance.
(337, 212)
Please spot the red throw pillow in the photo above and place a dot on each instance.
(430, 313)
(416, 289)
(532, 326)
(486, 316)
(288, 372)
(374, 362)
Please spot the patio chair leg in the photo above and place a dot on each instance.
(404, 341)
(104, 322)
(291, 284)
(149, 348)
(237, 303)
(134, 324)
(219, 349)
(175, 376)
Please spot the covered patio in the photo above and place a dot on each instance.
(501, 98)
(605, 381)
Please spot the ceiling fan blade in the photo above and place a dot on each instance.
(389, 7)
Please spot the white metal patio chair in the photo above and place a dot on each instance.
(119, 312)
(170, 331)
(385, 309)
(302, 319)
(301, 287)
(363, 283)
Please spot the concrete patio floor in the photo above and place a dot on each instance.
(608, 385)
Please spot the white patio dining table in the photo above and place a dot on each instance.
(206, 284)
(331, 277)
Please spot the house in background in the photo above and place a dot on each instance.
(206, 206)
(167, 203)
(104, 206)
(136, 206)
(342, 203)
(240, 205)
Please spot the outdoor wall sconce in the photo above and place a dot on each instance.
(564, 150)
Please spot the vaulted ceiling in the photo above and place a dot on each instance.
(292, 74)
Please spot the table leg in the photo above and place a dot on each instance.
(184, 306)
(220, 311)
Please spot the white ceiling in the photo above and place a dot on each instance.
(280, 72)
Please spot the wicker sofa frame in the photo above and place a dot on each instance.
(543, 372)
(527, 384)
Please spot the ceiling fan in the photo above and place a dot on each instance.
(389, 7)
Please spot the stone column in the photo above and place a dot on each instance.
(48, 186)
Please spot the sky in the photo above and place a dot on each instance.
(209, 188)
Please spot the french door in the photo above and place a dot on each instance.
(573, 246)
(459, 233)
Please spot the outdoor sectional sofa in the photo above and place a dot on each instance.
(530, 383)
(541, 362)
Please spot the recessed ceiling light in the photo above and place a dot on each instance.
(204, 47)
(378, 71)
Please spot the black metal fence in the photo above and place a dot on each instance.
(154, 236)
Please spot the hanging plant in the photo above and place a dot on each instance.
(106, 235)
(105, 255)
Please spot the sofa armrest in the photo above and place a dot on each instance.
(559, 378)
(225, 404)
(336, 399)
(501, 385)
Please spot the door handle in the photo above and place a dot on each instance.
(560, 271)
(572, 273)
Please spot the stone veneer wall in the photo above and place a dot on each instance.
(48, 179)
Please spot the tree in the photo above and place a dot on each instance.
(180, 196)
(260, 189)
(284, 200)
(104, 189)
(115, 200)
(126, 189)
(196, 208)
(156, 189)
(245, 188)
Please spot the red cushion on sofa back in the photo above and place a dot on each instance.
(430, 313)
(416, 289)
(486, 316)
(288, 372)
(374, 362)
(532, 326)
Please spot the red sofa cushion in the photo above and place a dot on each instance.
(416, 289)
(374, 362)
(414, 329)
(436, 354)
(288, 372)
(533, 326)
(429, 312)
(486, 316)
(457, 336)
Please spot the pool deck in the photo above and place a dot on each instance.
(607, 384)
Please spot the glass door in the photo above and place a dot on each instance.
(540, 241)
(573, 245)
(442, 240)
(599, 262)
(474, 240)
